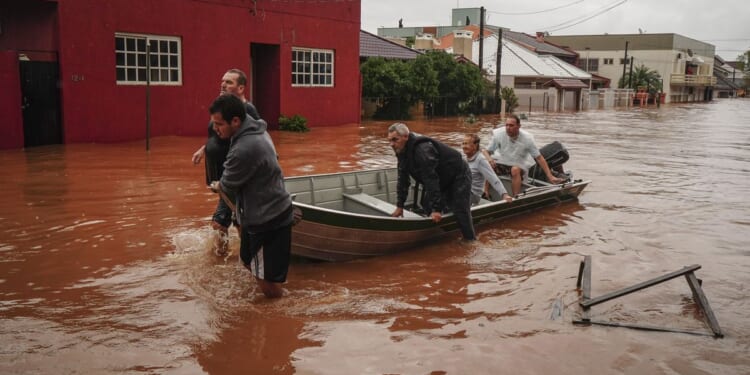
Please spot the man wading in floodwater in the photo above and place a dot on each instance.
(215, 151)
(264, 207)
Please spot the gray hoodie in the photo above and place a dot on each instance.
(253, 174)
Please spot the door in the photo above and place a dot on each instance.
(266, 80)
(40, 103)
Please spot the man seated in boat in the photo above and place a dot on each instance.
(440, 169)
(481, 171)
(510, 147)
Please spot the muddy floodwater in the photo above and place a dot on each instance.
(106, 266)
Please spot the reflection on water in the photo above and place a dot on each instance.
(105, 261)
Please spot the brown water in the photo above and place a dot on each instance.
(105, 264)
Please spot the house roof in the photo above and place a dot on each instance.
(447, 40)
(725, 83)
(371, 45)
(520, 62)
(563, 83)
(535, 45)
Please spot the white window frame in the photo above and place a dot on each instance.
(313, 67)
(131, 54)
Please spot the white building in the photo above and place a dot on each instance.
(685, 64)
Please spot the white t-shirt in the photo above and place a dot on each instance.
(521, 152)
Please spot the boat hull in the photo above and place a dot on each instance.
(333, 229)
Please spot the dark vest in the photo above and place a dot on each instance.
(450, 162)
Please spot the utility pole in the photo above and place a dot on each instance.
(624, 63)
(481, 40)
(499, 55)
(588, 51)
(630, 77)
(148, 94)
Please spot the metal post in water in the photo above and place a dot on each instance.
(499, 57)
(148, 95)
(624, 64)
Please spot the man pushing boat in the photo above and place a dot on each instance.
(440, 169)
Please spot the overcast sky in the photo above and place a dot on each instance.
(723, 23)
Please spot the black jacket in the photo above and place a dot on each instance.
(433, 164)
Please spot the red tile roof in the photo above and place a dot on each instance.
(447, 40)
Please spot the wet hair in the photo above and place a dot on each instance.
(241, 76)
(474, 139)
(399, 128)
(518, 120)
(229, 106)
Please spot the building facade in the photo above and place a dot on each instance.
(685, 64)
(101, 71)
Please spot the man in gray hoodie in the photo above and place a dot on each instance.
(264, 207)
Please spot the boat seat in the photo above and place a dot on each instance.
(378, 204)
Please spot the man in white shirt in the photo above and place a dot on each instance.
(510, 148)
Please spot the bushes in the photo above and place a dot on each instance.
(434, 77)
(295, 123)
(510, 99)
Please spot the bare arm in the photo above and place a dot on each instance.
(198, 155)
(551, 178)
(488, 157)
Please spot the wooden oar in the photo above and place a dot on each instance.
(216, 188)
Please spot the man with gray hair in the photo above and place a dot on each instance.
(440, 169)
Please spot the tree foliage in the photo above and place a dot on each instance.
(642, 77)
(743, 64)
(509, 98)
(742, 61)
(433, 77)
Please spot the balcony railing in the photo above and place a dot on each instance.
(692, 80)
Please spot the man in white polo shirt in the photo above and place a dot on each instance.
(510, 149)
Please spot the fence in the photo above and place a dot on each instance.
(441, 106)
(529, 99)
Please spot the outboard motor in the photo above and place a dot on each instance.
(555, 154)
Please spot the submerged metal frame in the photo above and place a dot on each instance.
(584, 284)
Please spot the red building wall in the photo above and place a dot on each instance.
(11, 125)
(215, 35)
(28, 28)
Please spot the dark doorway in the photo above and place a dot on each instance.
(40, 101)
(265, 77)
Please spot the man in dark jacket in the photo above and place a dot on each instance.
(440, 169)
(215, 151)
(264, 207)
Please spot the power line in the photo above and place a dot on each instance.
(579, 20)
(536, 12)
(728, 40)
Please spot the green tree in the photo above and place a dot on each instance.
(424, 77)
(743, 64)
(410, 41)
(435, 77)
(460, 84)
(742, 61)
(390, 82)
(642, 77)
(509, 99)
